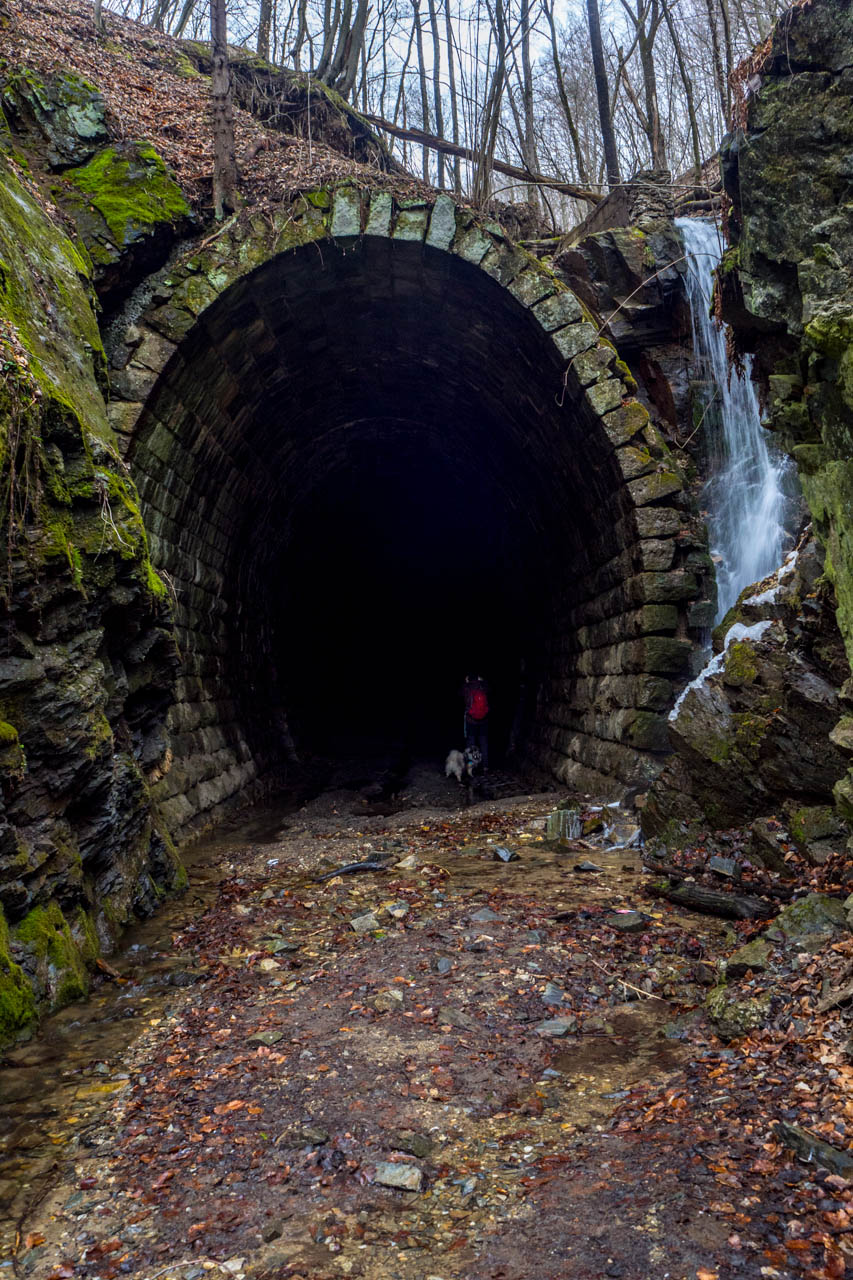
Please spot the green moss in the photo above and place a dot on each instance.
(749, 733)
(131, 189)
(741, 666)
(100, 735)
(154, 582)
(47, 935)
(89, 942)
(729, 262)
(63, 350)
(627, 376)
(8, 734)
(17, 1001)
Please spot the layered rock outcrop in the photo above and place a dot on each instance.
(787, 281)
(88, 659)
(751, 735)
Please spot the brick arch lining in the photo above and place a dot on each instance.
(355, 336)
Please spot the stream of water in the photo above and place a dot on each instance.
(746, 495)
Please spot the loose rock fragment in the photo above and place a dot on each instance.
(406, 1177)
(364, 923)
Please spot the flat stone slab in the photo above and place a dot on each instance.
(406, 1177)
(556, 1028)
(365, 923)
(627, 921)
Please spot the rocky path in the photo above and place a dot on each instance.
(451, 1068)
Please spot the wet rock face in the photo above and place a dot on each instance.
(86, 653)
(752, 733)
(787, 287)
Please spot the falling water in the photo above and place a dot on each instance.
(745, 496)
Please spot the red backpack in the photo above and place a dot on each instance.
(478, 704)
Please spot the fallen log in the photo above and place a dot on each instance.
(809, 1147)
(713, 902)
(832, 998)
(434, 143)
(778, 892)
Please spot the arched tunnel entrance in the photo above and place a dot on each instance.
(370, 466)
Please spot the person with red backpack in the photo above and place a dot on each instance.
(476, 698)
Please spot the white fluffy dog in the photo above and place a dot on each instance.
(464, 766)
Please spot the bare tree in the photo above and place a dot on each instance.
(422, 76)
(224, 157)
(602, 93)
(646, 17)
(436, 85)
(568, 114)
(264, 22)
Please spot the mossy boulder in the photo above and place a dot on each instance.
(52, 956)
(61, 116)
(809, 922)
(128, 209)
(753, 956)
(817, 830)
(17, 998)
(735, 1014)
(751, 735)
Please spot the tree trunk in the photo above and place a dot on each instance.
(718, 61)
(528, 136)
(564, 97)
(224, 158)
(186, 14)
(727, 38)
(337, 66)
(99, 17)
(353, 51)
(264, 19)
(602, 93)
(436, 86)
(454, 102)
(688, 91)
(650, 88)
(299, 38)
(425, 121)
(330, 26)
(492, 112)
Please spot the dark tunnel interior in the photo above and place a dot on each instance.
(402, 574)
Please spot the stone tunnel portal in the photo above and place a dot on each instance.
(365, 470)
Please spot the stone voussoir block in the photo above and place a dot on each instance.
(379, 214)
(634, 462)
(557, 310)
(626, 422)
(657, 553)
(472, 244)
(442, 223)
(574, 339)
(593, 365)
(605, 395)
(655, 487)
(665, 587)
(346, 213)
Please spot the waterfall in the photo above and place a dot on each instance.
(744, 496)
